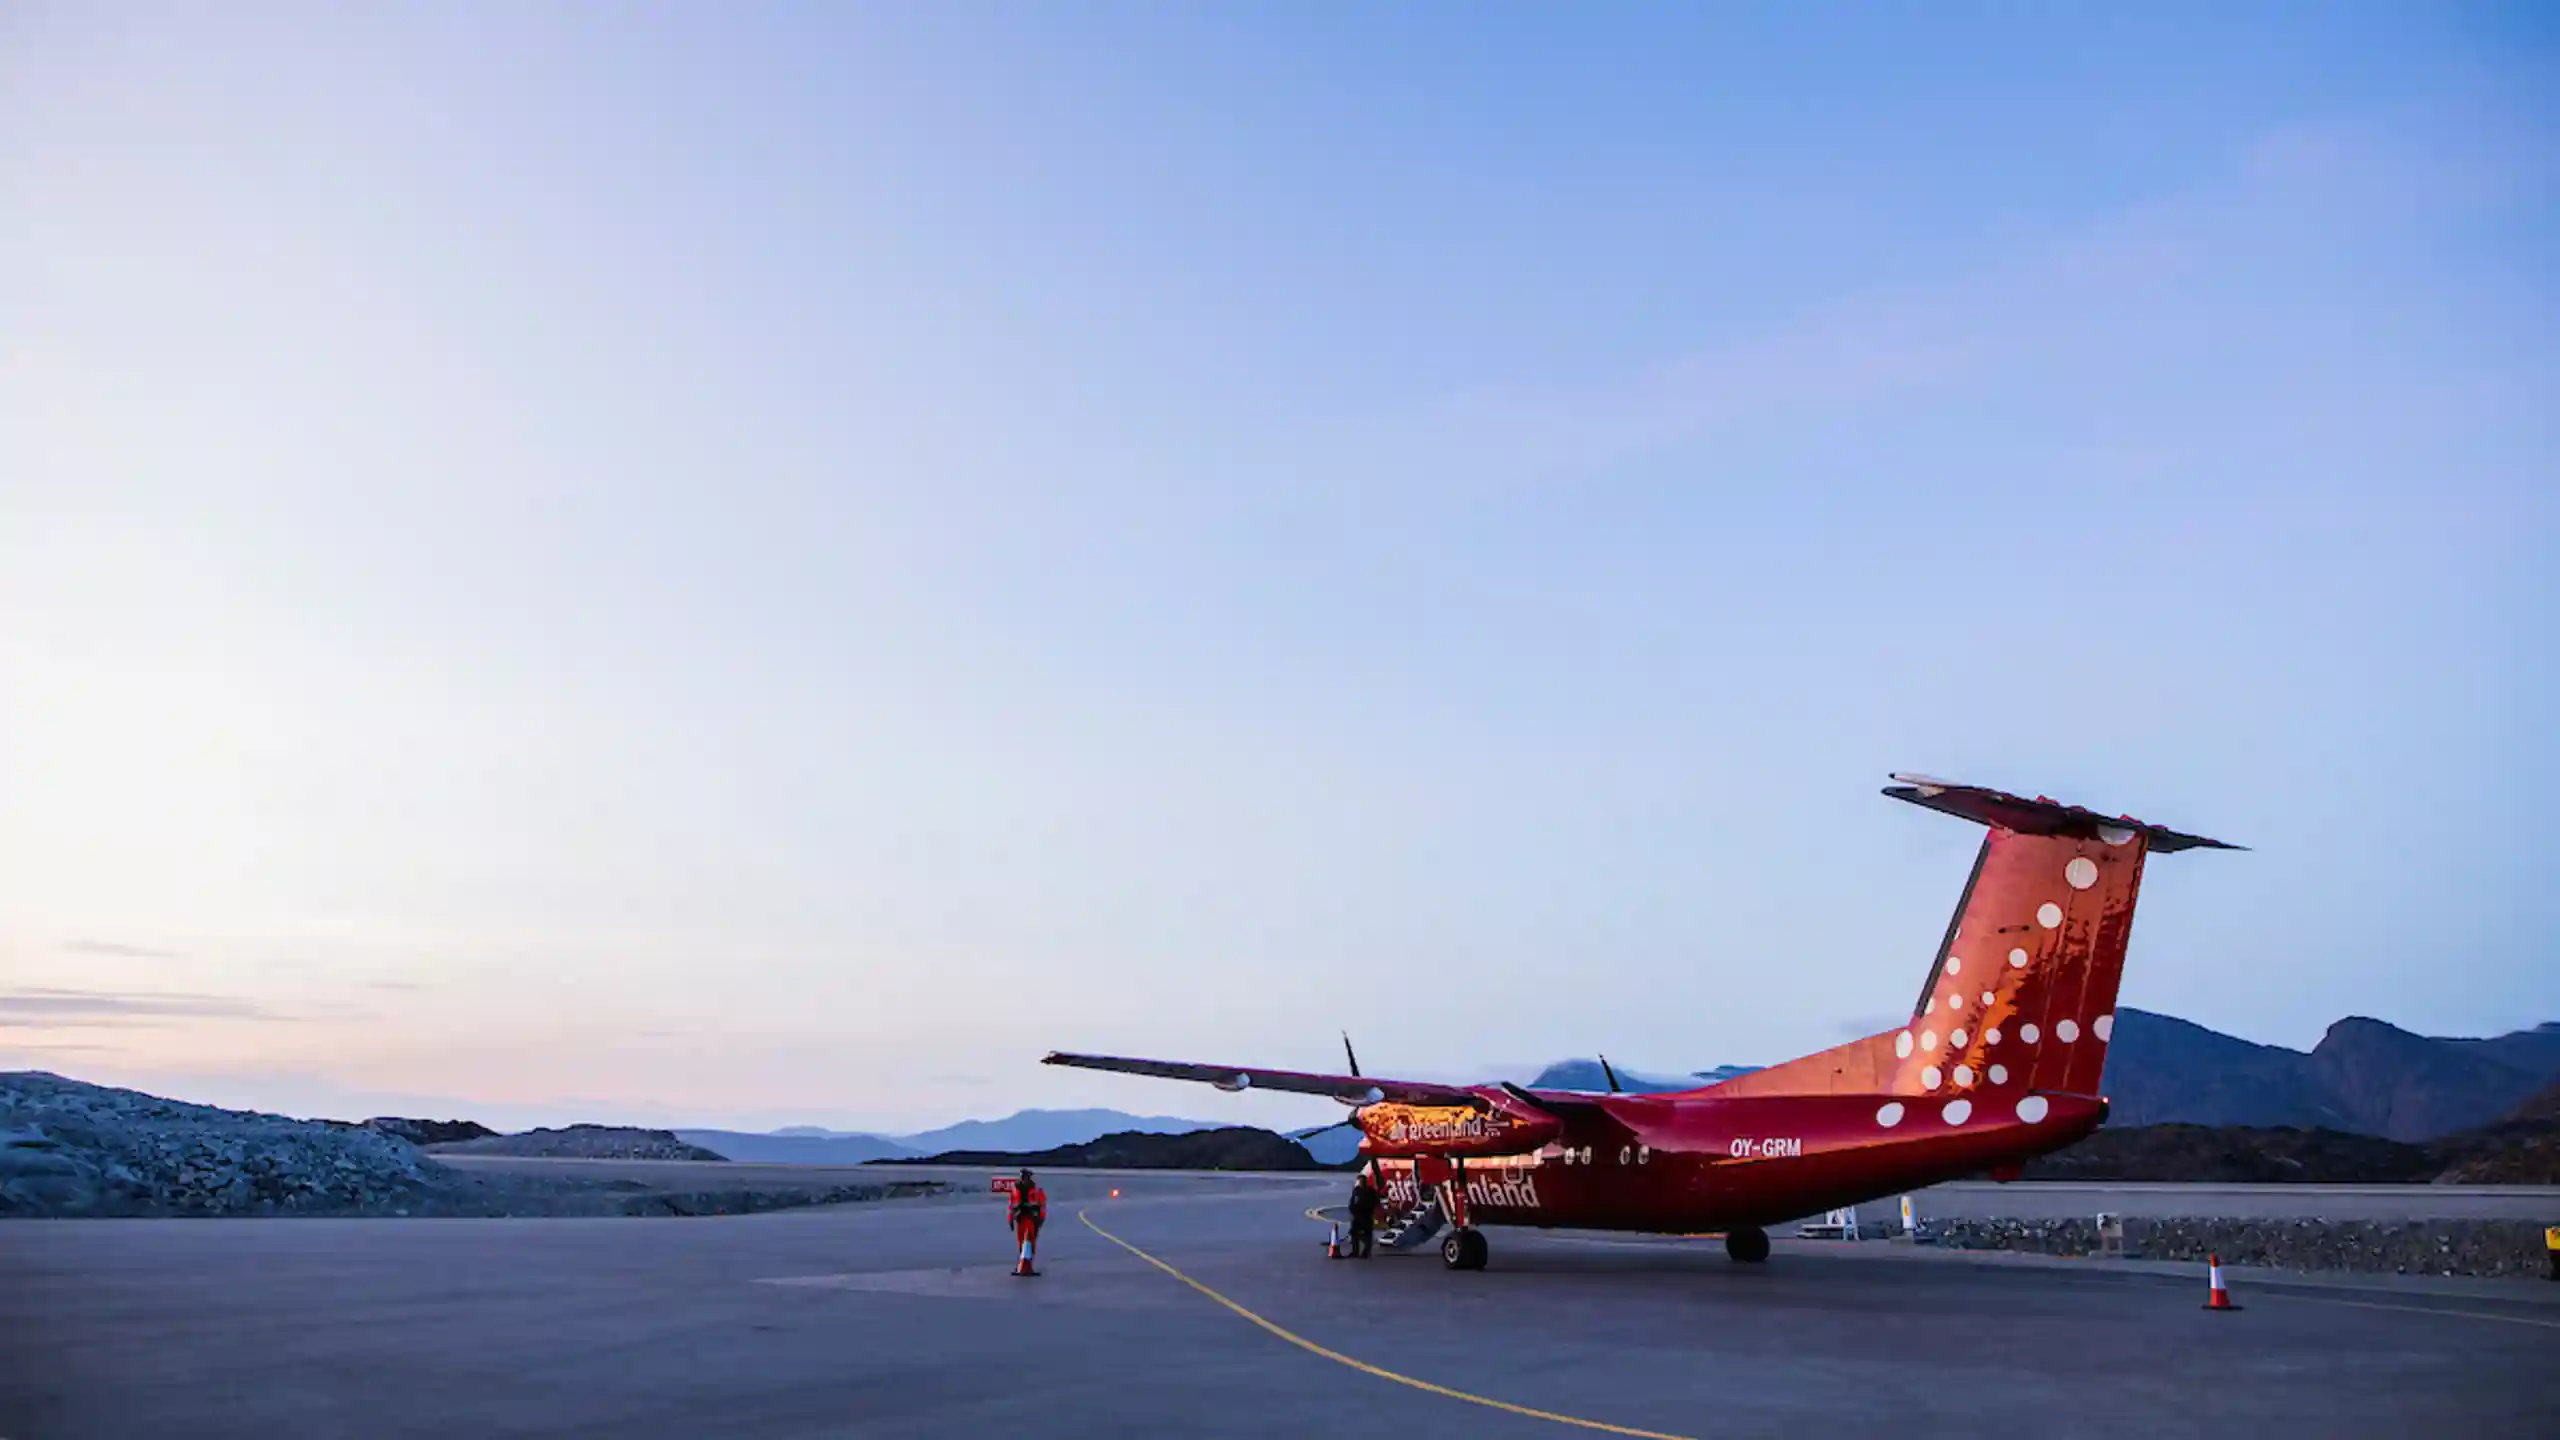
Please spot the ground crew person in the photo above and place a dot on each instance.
(1030, 1207)
(1364, 1217)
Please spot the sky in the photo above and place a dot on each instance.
(758, 564)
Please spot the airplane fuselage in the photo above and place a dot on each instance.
(1632, 1162)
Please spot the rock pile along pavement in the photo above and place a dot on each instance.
(2404, 1247)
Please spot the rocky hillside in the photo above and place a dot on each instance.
(73, 1150)
(1237, 1147)
(585, 1142)
(68, 1148)
(2521, 1149)
(2237, 1155)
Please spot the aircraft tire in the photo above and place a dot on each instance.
(1747, 1244)
(1464, 1250)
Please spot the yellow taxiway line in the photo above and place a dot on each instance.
(1364, 1367)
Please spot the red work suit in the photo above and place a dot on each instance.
(1030, 1209)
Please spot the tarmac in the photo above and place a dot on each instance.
(1200, 1305)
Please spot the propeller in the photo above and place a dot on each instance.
(1352, 1057)
(1612, 1074)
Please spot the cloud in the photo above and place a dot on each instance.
(39, 1005)
(126, 952)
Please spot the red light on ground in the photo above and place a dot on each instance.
(1115, 1194)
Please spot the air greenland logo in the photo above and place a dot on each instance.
(1518, 1191)
(1470, 1128)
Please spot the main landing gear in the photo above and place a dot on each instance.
(1464, 1250)
(1747, 1244)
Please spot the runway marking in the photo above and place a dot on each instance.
(1364, 1367)
(2413, 1309)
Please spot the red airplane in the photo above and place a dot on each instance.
(2001, 1062)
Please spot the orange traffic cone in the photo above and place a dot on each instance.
(1333, 1242)
(2219, 1298)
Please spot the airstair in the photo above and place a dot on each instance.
(1407, 1229)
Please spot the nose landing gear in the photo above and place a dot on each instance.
(1747, 1244)
(1464, 1250)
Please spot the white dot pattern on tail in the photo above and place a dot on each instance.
(2032, 1109)
(1890, 1115)
(1964, 1076)
(2082, 872)
(2027, 1033)
(2066, 1031)
(2017, 959)
(1929, 1078)
(1958, 1111)
(1902, 1045)
(1999, 1074)
(2048, 915)
(2104, 1027)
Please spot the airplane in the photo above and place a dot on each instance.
(2002, 1061)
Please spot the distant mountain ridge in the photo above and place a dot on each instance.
(1582, 1074)
(1222, 1147)
(1023, 1131)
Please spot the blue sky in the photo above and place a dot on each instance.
(766, 565)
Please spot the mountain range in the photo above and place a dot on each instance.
(2365, 1077)
(1022, 1131)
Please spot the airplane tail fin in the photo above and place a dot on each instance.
(2022, 995)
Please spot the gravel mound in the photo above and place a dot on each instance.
(2401, 1247)
(587, 1142)
(68, 1148)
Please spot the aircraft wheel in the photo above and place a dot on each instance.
(1464, 1250)
(1748, 1244)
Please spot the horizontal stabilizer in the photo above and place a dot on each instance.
(2041, 816)
(1349, 1089)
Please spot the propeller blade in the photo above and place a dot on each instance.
(1320, 1129)
(1612, 1074)
(1347, 1055)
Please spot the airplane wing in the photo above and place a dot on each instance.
(1349, 1089)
